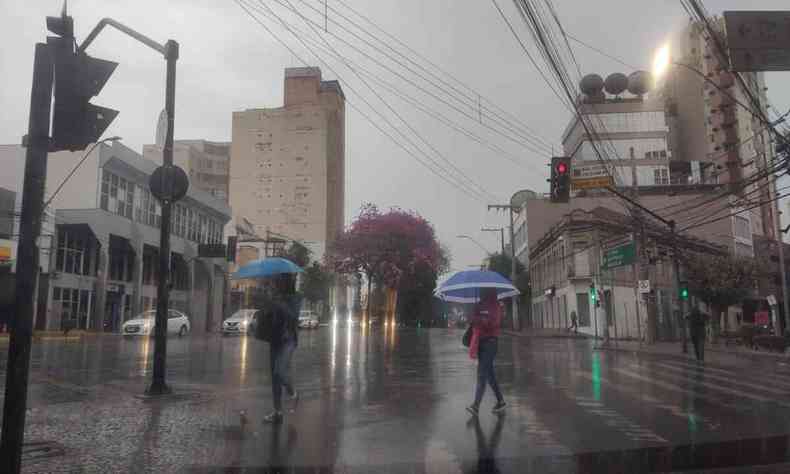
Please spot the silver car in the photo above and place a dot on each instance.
(239, 322)
(145, 322)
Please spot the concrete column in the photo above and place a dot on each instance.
(137, 278)
(101, 285)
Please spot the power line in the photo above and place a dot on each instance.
(529, 136)
(395, 112)
(462, 188)
(414, 53)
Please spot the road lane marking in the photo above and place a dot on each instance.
(728, 380)
(673, 409)
(611, 418)
(670, 386)
(775, 379)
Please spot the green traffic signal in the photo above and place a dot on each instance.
(593, 294)
(684, 292)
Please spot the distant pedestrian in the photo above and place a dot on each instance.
(697, 321)
(284, 313)
(486, 322)
(574, 323)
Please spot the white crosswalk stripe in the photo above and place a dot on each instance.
(732, 379)
(673, 409)
(609, 417)
(773, 378)
(697, 383)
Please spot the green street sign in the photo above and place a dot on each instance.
(619, 256)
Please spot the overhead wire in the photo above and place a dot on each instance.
(416, 54)
(470, 192)
(400, 117)
(529, 139)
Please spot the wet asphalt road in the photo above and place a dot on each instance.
(393, 401)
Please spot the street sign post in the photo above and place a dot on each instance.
(619, 256)
(758, 40)
(644, 286)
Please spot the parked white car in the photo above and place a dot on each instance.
(239, 322)
(144, 324)
(307, 320)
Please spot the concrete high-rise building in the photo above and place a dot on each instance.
(287, 163)
(709, 124)
(205, 162)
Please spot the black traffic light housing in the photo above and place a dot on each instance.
(76, 122)
(560, 189)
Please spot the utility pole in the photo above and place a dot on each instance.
(513, 268)
(676, 264)
(18, 365)
(501, 231)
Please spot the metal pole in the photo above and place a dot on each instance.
(27, 264)
(502, 238)
(158, 384)
(516, 325)
(681, 306)
(782, 268)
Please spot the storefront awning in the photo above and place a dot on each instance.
(121, 244)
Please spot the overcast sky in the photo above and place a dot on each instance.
(229, 62)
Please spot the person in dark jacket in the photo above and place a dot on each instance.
(486, 323)
(697, 321)
(284, 311)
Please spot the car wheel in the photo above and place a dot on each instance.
(183, 331)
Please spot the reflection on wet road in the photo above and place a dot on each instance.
(392, 400)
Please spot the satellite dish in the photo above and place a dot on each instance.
(615, 83)
(639, 82)
(161, 129)
(519, 198)
(591, 84)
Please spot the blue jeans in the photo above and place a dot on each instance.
(485, 370)
(280, 357)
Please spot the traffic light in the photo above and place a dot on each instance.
(593, 295)
(560, 179)
(684, 290)
(78, 77)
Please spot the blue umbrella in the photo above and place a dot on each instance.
(464, 287)
(266, 267)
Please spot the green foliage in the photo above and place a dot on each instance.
(298, 253)
(316, 282)
(501, 264)
(721, 281)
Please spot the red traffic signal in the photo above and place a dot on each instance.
(562, 168)
(560, 179)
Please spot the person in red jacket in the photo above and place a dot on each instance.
(486, 324)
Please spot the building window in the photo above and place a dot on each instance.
(661, 176)
(583, 309)
(73, 255)
(117, 194)
(742, 228)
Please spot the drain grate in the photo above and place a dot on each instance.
(33, 451)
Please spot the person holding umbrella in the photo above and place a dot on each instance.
(486, 323)
(484, 288)
(277, 324)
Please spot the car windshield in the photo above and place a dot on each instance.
(496, 236)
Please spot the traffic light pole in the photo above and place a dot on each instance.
(681, 300)
(170, 53)
(158, 384)
(27, 264)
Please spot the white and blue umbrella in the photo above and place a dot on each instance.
(266, 267)
(465, 286)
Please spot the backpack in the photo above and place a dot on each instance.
(264, 329)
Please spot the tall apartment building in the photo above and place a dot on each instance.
(287, 163)
(701, 100)
(205, 162)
